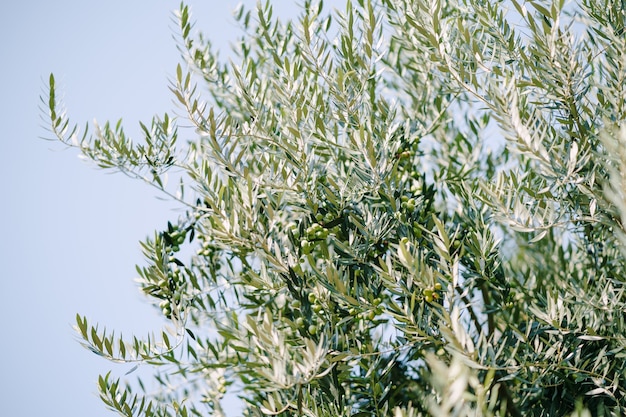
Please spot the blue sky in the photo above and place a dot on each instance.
(71, 231)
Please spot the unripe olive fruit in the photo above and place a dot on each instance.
(438, 286)
(312, 297)
(299, 322)
(321, 234)
(317, 308)
(428, 298)
(296, 304)
(306, 247)
(166, 308)
(313, 329)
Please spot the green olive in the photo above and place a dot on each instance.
(306, 247)
(321, 234)
(166, 308)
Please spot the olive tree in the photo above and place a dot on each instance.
(403, 207)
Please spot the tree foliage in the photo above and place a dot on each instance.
(404, 207)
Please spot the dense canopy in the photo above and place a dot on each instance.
(403, 207)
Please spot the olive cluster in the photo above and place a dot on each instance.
(174, 237)
(369, 314)
(408, 203)
(206, 249)
(414, 206)
(314, 233)
(313, 325)
(433, 293)
(211, 254)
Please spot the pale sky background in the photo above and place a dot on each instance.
(70, 231)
